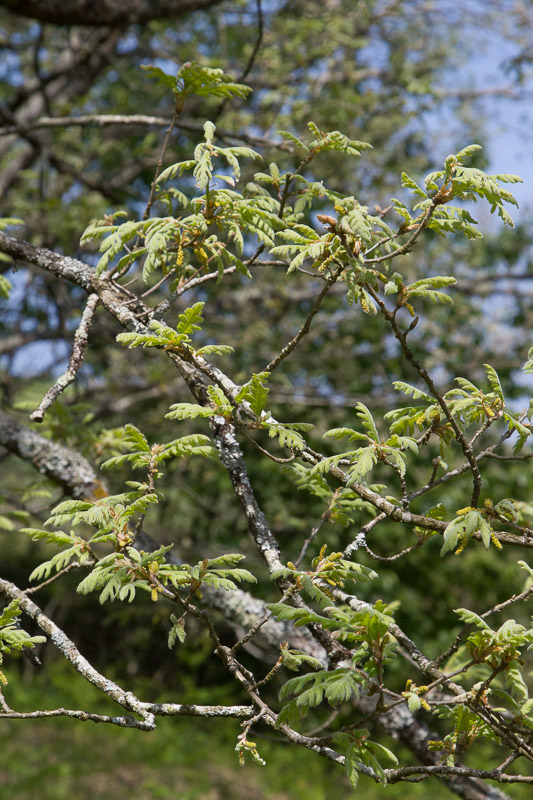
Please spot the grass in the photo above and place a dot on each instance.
(189, 759)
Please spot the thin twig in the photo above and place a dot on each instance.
(166, 141)
(396, 556)
(127, 721)
(409, 356)
(360, 539)
(516, 598)
(249, 64)
(76, 360)
(395, 775)
(288, 349)
(287, 594)
(266, 453)
(3, 704)
(68, 568)
(312, 536)
(405, 248)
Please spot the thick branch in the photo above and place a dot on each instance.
(233, 460)
(112, 13)
(147, 120)
(70, 269)
(54, 460)
(71, 653)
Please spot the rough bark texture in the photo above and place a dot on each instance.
(68, 468)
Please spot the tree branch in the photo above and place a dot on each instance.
(71, 653)
(63, 465)
(75, 362)
(104, 12)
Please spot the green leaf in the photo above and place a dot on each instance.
(5, 287)
(289, 137)
(139, 506)
(462, 527)
(471, 618)
(351, 766)
(220, 401)
(345, 433)
(175, 170)
(135, 439)
(382, 752)
(293, 659)
(409, 183)
(418, 394)
(215, 349)
(53, 537)
(514, 679)
(159, 75)
(255, 392)
(195, 79)
(191, 319)
(451, 537)
(177, 631)
(413, 702)
(188, 411)
(494, 380)
(368, 421)
(365, 461)
(287, 437)
(324, 466)
(467, 151)
(340, 689)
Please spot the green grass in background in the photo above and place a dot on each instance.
(183, 759)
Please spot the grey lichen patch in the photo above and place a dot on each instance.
(56, 461)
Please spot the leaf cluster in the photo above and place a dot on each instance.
(391, 451)
(12, 636)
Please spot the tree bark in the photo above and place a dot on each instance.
(111, 13)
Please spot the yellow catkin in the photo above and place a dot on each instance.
(200, 254)
(179, 256)
(460, 548)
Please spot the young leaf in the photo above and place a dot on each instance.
(255, 392)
